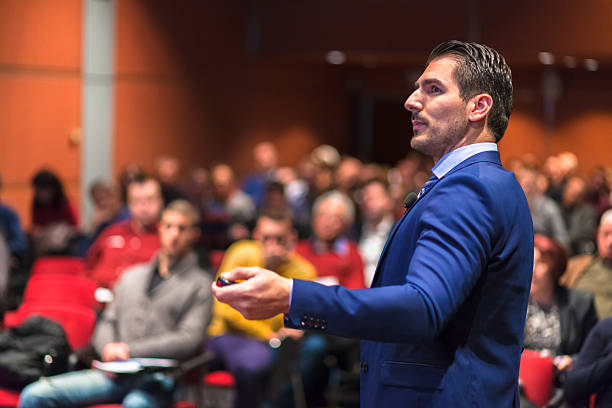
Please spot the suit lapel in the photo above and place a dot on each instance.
(488, 156)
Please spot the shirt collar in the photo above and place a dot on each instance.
(453, 158)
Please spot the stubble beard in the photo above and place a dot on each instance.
(432, 143)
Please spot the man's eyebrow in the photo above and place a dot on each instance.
(429, 81)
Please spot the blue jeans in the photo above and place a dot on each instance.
(92, 387)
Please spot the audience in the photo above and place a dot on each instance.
(592, 273)
(161, 309)
(242, 344)
(131, 241)
(320, 193)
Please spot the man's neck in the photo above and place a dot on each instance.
(140, 228)
(471, 137)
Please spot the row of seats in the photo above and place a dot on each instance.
(58, 290)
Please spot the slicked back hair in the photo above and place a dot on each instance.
(481, 69)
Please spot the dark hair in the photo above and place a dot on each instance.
(278, 216)
(47, 179)
(481, 69)
(552, 254)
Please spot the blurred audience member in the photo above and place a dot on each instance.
(108, 208)
(5, 275)
(297, 195)
(131, 241)
(228, 215)
(591, 273)
(242, 344)
(168, 171)
(347, 176)
(558, 319)
(599, 186)
(591, 372)
(376, 223)
(335, 258)
(11, 229)
(130, 172)
(545, 212)
(558, 170)
(53, 218)
(199, 188)
(580, 217)
(265, 159)
(326, 160)
(161, 310)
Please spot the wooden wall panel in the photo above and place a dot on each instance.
(40, 95)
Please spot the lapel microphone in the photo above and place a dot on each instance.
(410, 199)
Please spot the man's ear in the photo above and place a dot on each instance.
(480, 106)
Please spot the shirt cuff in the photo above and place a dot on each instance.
(290, 293)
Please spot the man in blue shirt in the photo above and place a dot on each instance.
(442, 324)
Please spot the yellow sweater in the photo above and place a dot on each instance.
(227, 319)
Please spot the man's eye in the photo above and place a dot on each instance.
(435, 89)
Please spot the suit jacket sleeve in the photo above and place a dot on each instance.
(454, 236)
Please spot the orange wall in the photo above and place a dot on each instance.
(40, 95)
(186, 86)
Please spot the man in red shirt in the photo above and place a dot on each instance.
(335, 258)
(131, 241)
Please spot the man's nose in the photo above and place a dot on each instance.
(413, 103)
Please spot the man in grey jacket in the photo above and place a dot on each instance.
(161, 310)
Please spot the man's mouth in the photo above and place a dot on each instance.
(417, 125)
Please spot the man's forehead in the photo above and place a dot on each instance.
(439, 70)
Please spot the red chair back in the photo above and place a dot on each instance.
(537, 375)
(57, 264)
(59, 288)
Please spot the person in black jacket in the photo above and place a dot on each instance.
(592, 372)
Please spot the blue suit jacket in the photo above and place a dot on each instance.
(442, 325)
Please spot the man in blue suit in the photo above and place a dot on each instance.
(442, 324)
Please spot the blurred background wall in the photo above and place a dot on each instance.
(206, 80)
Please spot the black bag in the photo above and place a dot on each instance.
(38, 347)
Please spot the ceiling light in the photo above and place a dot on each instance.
(591, 64)
(546, 58)
(335, 57)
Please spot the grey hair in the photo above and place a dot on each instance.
(334, 195)
(606, 217)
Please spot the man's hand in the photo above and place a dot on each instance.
(562, 363)
(261, 294)
(115, 351)
(285, 332)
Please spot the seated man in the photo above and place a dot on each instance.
(243, 344)
(161, 310)
(131, 241)
(335, 258)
